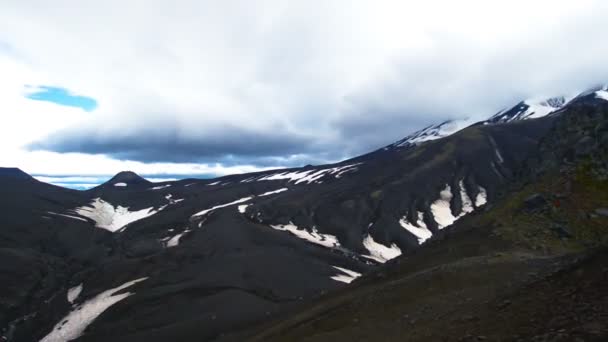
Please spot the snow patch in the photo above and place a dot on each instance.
(313, 236)
(112, 218)
(346, 275)
(482, 197)
(243, 207)
(120, 184)
(201, 213)
(74, 324)
(74, 292)
(214, 183)
(419, 230)
(380, 252)
(602, 94)
(273, 192)
(173, 241)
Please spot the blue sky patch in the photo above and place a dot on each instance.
(62, 96)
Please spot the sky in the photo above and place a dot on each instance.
(174, 89)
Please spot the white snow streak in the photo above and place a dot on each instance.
(380, 252)
(160, 187)
(201, 213)
(310, 176)
(214, 183)
(74, 292)
(313, 236)
(73, 325)
(68, 216)
(120, 184)
(112, 218)
(273, 192)
(346, 275)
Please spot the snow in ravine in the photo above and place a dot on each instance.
(467, 204)
(345, 275)
(243, 207)
(442, 212)
(74, 292)
(420, 229)
(441, 208)
(112, 218)
(74, 324)
(206, 211)
(378, 251)
(482, 197)
(120, 184)
(326, 240)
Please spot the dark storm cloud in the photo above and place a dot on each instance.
(234, 146)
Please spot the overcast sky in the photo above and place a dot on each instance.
(217, 87)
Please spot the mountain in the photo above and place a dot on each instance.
(257, 255)
(125, 179)
(529, 268)
(528, 109)
(13, 172)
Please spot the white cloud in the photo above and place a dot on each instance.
(333, 72)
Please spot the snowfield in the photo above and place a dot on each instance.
(74, 324)
(113, 218)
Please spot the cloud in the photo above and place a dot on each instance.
(167, 142)
(269, 83)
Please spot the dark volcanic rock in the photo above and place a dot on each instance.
(535, 202)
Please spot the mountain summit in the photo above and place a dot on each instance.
(126, 178)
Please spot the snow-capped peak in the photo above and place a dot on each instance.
(528, 109)
(431, 132)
